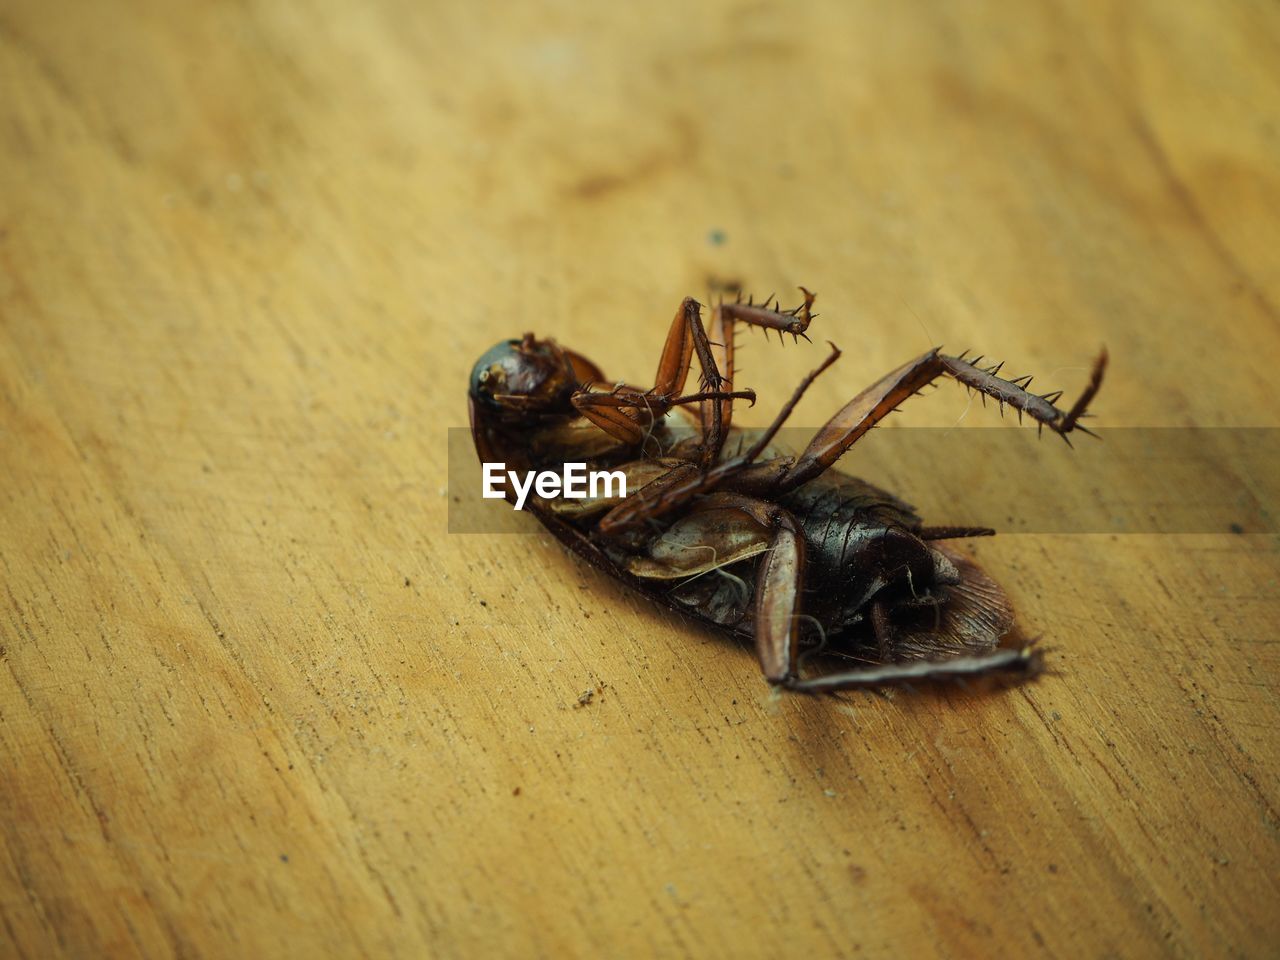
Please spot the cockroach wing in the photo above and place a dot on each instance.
(970, 616)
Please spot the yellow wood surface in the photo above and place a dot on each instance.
(256, 701)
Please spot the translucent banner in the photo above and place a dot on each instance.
(1129, 480)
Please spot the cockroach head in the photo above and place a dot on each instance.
(523, 377)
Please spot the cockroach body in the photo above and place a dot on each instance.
(716, 523)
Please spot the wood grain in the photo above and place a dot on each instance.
(256, 701)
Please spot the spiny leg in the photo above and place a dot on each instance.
(875, 403)
(717, 418)
(795, 321)
(628, 413)
(1020, 664)
(717, 415)
(662, 497)
(952, 532)
(1016, 394)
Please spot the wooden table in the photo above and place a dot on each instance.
(255, 700)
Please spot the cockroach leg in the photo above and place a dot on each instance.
(875, 403)
(718, 417)
(720, 395)
(723, 317)
(639, 506)
(1020, 664)
(794, 322)
(883, 630)
(1037, 406)
(627, 414)
(778, 584)
(660, 498)
(771, 431)
(953, 532)
(778, 590)
(617, 413)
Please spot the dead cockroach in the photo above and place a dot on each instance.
(781, 549)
